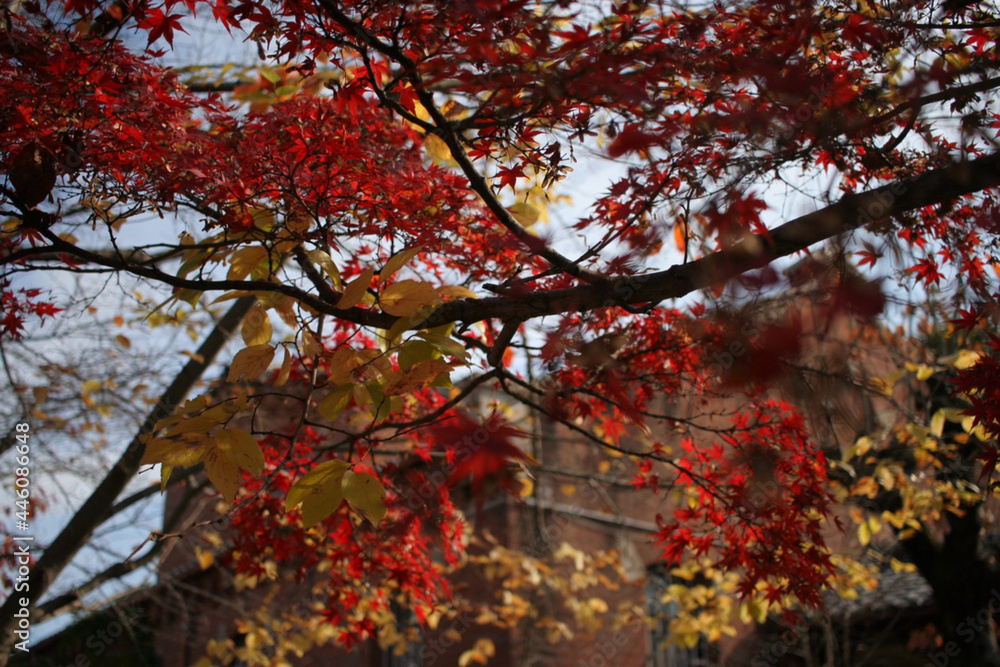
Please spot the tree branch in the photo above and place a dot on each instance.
(757, 250)
(851, 212)
(94, 511)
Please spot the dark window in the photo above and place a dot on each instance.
(662, 653)
(414, 655)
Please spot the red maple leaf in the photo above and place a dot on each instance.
(483, 451)
(161, 25)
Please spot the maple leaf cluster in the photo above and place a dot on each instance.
(760, 503)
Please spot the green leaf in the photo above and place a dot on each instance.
(334, 403)
(365, 494)
(379, 405)
(319, 491)
(413, 351)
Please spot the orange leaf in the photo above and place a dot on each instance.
(680, 235)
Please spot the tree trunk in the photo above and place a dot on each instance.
(95, 510)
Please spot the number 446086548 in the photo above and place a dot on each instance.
(22, 471)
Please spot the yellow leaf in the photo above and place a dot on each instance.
(525, 213)
(864, 534)
(343, 361)
(866, 486)
(924, 372)
(885, 478)
(937, 423)
(396, 262)
(263, 219)
(286, 369)
(355, 290)
(244, 261)
(182, 452)
(417, 376)
(479, 654)
(406, 297)
(223, 473)
(968, 423)
(437, 149)
(242, 449)
(859, 448)
(966, 359)
(365, 494)
(334, 403)
(361, 396)
(230, 296)
(250, 362)
(224, 455)
(446, 345)
(753, 610)
(457, 291)
(91, 387)
(165, 477)
(319, 492)
(310, 344)
(189, 296)
(323, 259)
(868, 529)
(270, 299)
(256, 328)
(205, 558)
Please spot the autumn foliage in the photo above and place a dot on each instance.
(385, 190)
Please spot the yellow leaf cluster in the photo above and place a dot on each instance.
(479, 654)
(224, 454)
(321, 490)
